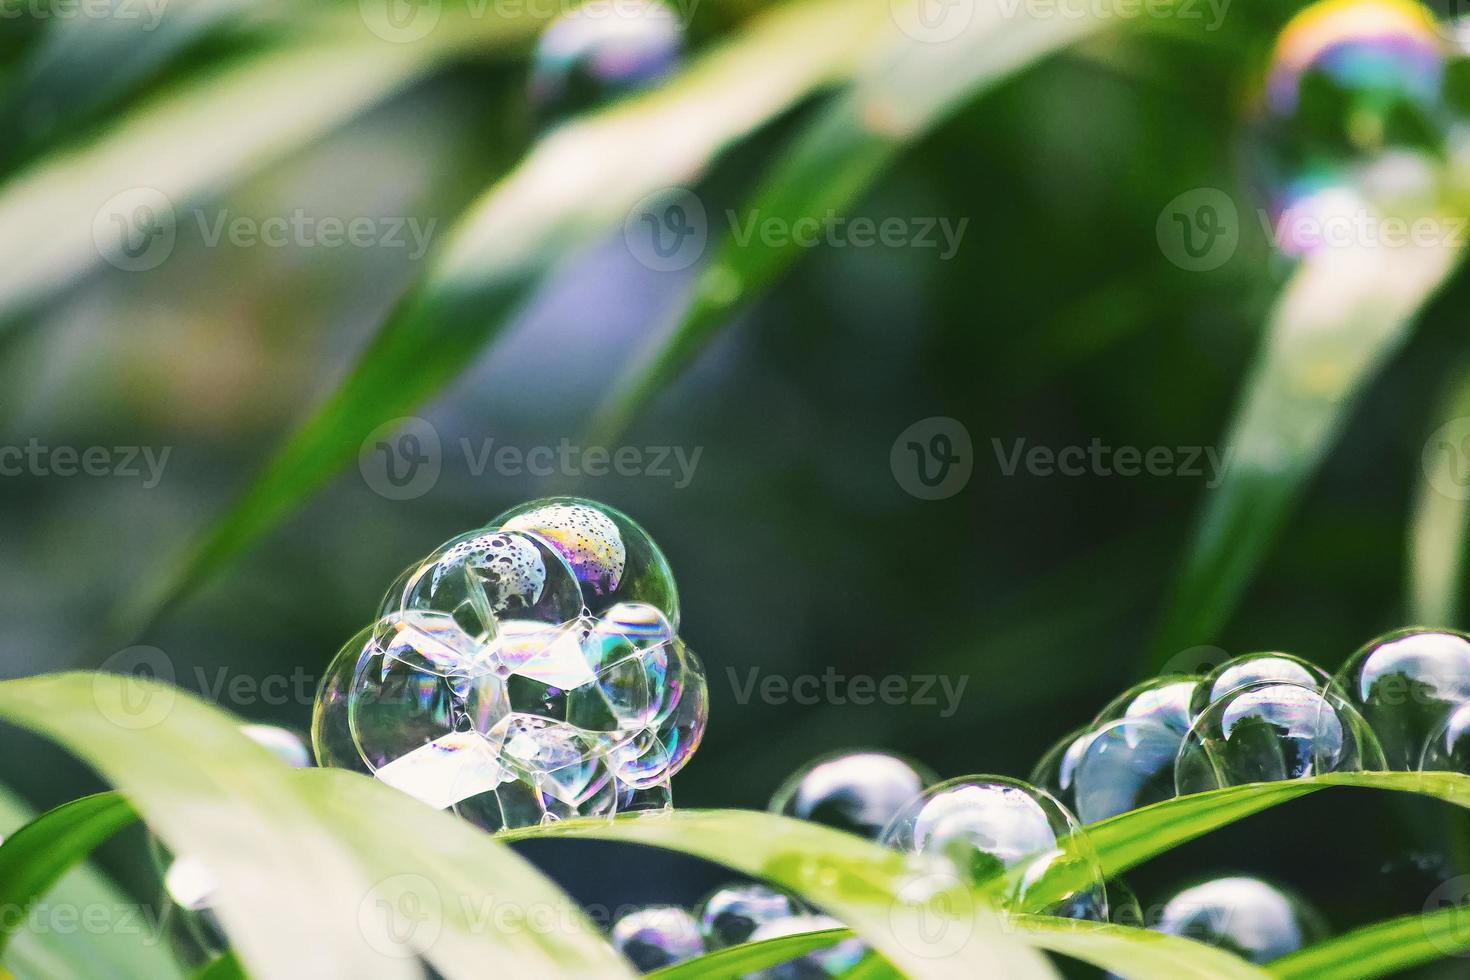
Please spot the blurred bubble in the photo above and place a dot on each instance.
(1245, 916)
(731, 915)
(1273, 731)
(832, 961)
(859, 792)
(600, 51)
(1406, 684)
(658, 936)
(992, 827)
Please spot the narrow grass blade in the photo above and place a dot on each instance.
(1344, 313)
(1380, 949)
(747, 958)
(831, 165)
(1441, 514)
(1138, 954)
(913, 917)
(227, 967)
(581, 180)
(317, 877)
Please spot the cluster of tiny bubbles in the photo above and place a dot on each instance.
(525, 672)
(658, 936)
(1409, 686)
(602, 50)
(1251, 918)
(1359, 112)
(996, 829)
(190, 888)
(859, 792)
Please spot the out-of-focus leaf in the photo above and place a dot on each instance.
(227, 967)
(1380, 949)
(133, 950)
(916, 919)
(902, 96)
(582, 179)
(316, 877)
(1437, 529)
(1129, 952)
(1344, 313)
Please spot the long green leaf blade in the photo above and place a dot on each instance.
(747, 958)
(575, 185)
(1441, 515)
(1380, 949)
(1131, 952)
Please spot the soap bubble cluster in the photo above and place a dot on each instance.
(525, 672)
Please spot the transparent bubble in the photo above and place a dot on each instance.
(1057, 770)
(1124, 765)
(1406, 684)
(462, 593)
(991, 826)
(1353, 117)
(656, 937)
(1256, 668)
(859, 792)
(1273, 731)
(1448, 747)
(1165, 700)
(331, 730)
(1245, 916)
(731, 915)
(602, 50)
(831, 961)
(613, 558)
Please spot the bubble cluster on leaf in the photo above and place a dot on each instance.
(524, 672)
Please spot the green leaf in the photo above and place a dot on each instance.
(133, 951)
(915, 918)
(746, 958)
(578, 182)
(226, 967)
(1131, 952)
(1441, 508)
(1379, 949)
(316, 872)
(831, 165)
(1344, 313)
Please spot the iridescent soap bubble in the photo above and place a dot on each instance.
(859, 792)
(1008, 834)
(1353, 117)
(1056, 772)
(331, 728)
(1245, 916)
(830, 961)
(613, 558)
(1125, 764)
(1406, 684)
(1256, 668)
(1164, 700)
(190, 889)
(1273, 731)
(731, 915)
(601, 50)
(659, 936)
